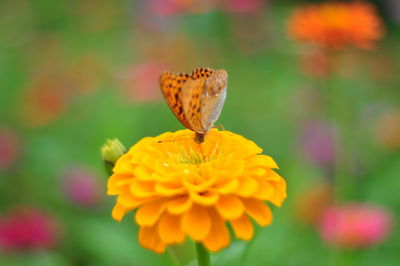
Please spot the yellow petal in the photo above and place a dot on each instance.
(218, 236)
(258, 210)
(143, 173)
(243, 227)
(124, 167)
(130, 201)
(114, 183)
(142, 189)
(149, 213)
(227, 186)
(247, 186)
(264, 161)
(118, 212)
(205, 198)
(149, 238)
(230, 207)
(278, 197)
(196, 222)
(169, 188)
(233, 167)
(265, 189)
(169, 229)
(179, 205)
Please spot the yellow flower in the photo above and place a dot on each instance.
(180, 188)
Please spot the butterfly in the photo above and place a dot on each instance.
(196, 99)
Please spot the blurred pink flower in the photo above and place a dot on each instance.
(26, 228)
(317, 141)
(355, 225)
(82, 186)
(243, 6)
(9, 147)
(165, 7)
(177, 7)
(140, 81)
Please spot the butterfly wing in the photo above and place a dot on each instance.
(171, 87)
(191, 98)
(213, 97)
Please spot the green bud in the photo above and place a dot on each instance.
(111, 151)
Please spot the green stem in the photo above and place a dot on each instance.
(203, 256)
(174, 257)
(339, 112)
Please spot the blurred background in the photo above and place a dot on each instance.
(74, 73)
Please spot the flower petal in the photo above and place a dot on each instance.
(118, 212)
(149, 213)
(278, 197)
(205, 198)
(264, 161)
(169, 229)
(179, 205)
(169, 188)
(218, 236)
(116, 182)
(265, 189)
(228, 186)
(247, 186)
(230, 207)
(243, 227)
(149, 238)
(258, 210)
(196, 222)
(142, 189)
(142, 173)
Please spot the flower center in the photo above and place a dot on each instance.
(191, 157)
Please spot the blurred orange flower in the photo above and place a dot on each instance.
(45, 99)
(387, 130)
(181, 188)
(312, 203)
(336, 25)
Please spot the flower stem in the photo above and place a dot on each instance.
(203, 256)
(174, 257)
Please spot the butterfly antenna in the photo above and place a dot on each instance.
(220, 126)
(173, 140)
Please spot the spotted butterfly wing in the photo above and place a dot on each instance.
(196, 99)
(213, 97)
(171, 87)
(191, 98)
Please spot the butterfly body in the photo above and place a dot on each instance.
(196, 99)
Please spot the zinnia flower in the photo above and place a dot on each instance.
(355, 225)
(387, 129)
(180, 188)
(10, 146)
(82, 187)
(26, 228)
(335, 25)
(318, 141)
(141, 82)
(313, 202)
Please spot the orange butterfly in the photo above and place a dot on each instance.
(196, 99)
